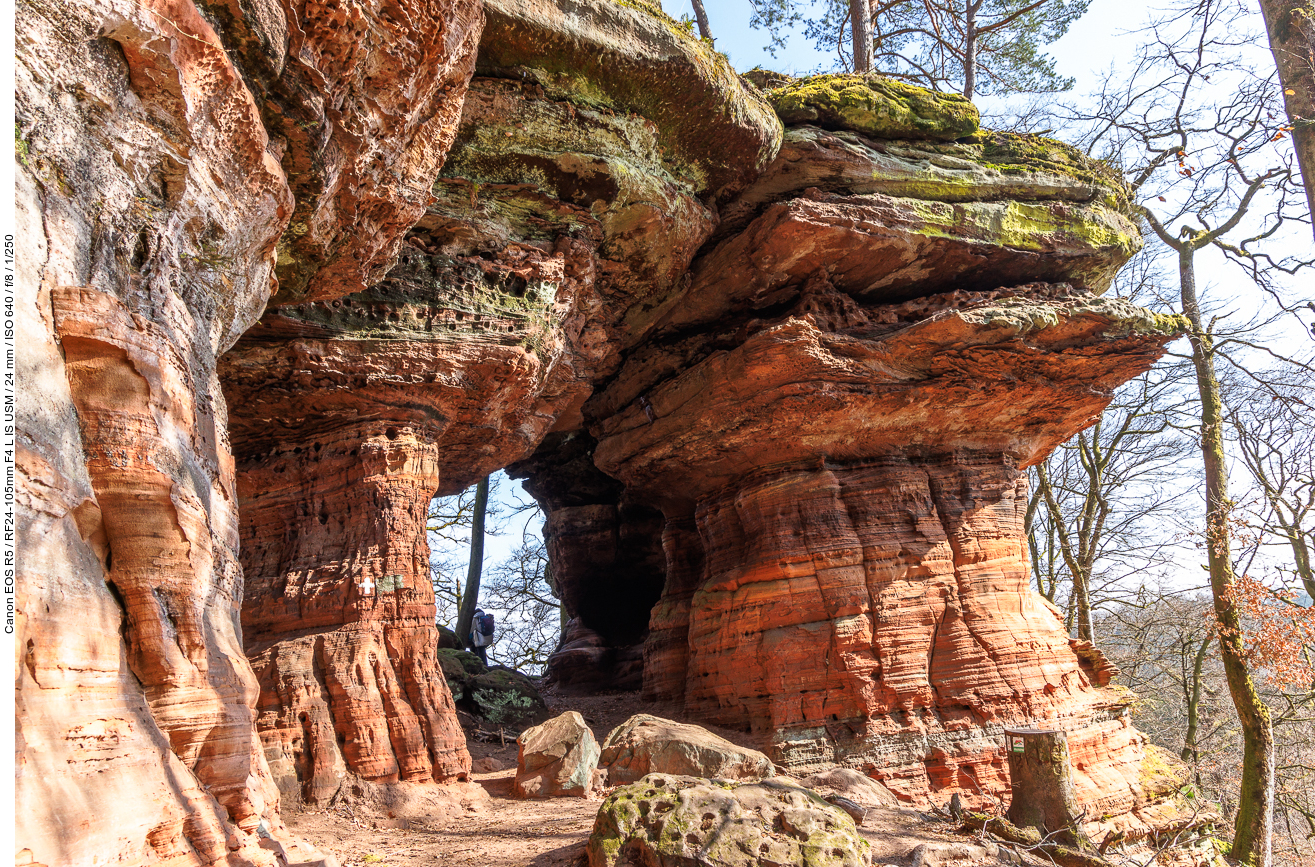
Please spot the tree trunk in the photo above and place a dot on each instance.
(1190, 751)
(861, 18)
(1079, 569)
(470, 597)
(970, 51)
(701, 16)
(1291, 27)
(1041, 783)
(1252, 829)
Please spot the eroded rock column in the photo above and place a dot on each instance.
(568, 203)
(339, 615)
(869, 605)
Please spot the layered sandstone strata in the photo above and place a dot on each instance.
(819, 374)
(571, 196)
(153, 197)
(835, 414)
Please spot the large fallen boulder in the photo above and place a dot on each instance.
(678, 821)
(646, 744)
(556, 759)
(852, 784)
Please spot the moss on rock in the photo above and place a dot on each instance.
(875, 106)
(673, 821)
(630, 57)
(1012, 152)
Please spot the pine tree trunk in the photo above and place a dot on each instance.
(701, 16)
(970, 52)
(861, 19)
(1291, 27)
(1252, 830)
(470, 597)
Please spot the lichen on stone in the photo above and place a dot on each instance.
(672, 821)
(1014, 152)
(875, 106)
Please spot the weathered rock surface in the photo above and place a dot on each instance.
(646, 744)
(834, 416)
(155, 194)
(361, 99)
(853, 785)
(586, 662)
(556, 759)
(784, 387)
(150, 199)
(567, 200)
(674, 821)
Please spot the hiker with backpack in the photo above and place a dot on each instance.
(481, 634)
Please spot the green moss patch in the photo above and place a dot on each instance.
(875, 106)
(1012, 152)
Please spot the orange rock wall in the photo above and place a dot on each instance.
(153, 195)
(356, 688)
(553, 218)
(879, 615)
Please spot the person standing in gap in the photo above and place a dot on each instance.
(481, 634)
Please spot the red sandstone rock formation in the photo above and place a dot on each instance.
(843, 478)
(152, 198)
(831, 407)
(361, 99)
(565, 204)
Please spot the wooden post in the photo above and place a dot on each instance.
(1041, 781)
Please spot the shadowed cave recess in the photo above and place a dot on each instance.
(773, 361)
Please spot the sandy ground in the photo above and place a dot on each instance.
(493, 830)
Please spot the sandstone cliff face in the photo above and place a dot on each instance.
(153, 197)
(572, 195)
(782, 387)
(834, 415)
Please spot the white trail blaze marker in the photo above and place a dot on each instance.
(367, 586)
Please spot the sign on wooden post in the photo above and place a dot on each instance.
(1041, 780)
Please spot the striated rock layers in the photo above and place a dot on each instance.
(782, 387)
(574, 193)
(154, 194)
(834, 415)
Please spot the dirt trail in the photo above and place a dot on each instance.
(503, 832)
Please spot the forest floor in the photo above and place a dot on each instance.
(491, 829)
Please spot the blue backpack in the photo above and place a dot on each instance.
(485, 625)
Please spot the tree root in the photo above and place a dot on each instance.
(1066, 856)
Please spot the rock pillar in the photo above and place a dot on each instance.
(853, 584)
(339, 612)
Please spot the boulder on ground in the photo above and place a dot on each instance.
(504, 696)
(486, 765)
(460, 668)
(646, 744)
(854, 785)
(677, 821)
(448, 639)
(556, 759)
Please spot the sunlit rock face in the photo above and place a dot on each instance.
(835, 414)
(154, 195)
(292, 271)
(150, 199)
(573, 194)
